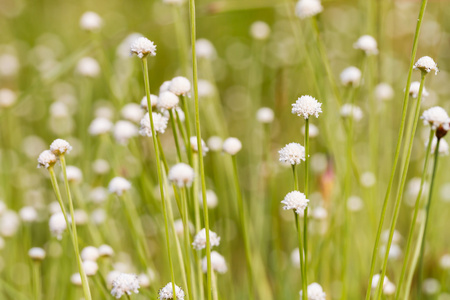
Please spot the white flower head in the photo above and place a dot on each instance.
(153, 101)
(168, 100)
(119, 185)
(194, 145)
(125, 284)
(200, 239)
(232, 146)
(211, 199)
(205, 49)
(182, 175)
(351, 76)
(308, 8)
(388, 286)
(123, 131)
(164, 87)
(260, 30)
(426, 64)
(89, 67)
(166, 292)
(100, 126)
(132, 112)
(215, 143)
(105, 251)
(57, 224)
(180, 86)
(90, 21)
(265, 115)
(384, 92)
(443, 146)
(159, 121)
(75, 279)
(414, 90)
(60, 147)
(313, 130)
(437, 117)
(444, 262)
(7, 98)
(36, 254)
(292, 153)
(307, 106)
(315, 292)
(74, 174)
(348, 110)
(90, 267)
(28, 214)
(205, 88)
(295, 200)
(46, 159)
(142, 47)
(9, 223)
(89, 253)
(218, 263)
(368, 44)
(431, 286)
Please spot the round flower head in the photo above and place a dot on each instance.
(426, 64)
(159, 121)
(46, 159)
(384, 92)
(123, 131)
(60, 146)
(443, 146)
(36, 254)
(292, 153)
(75, 279)
(89, 67)
(194, 145)
(182, 175)
(28, 214)
(90, 267)
(164, 87)
(351, 76)
(232, 146)
(414, 90)
(74, 174)
(9, 65)
(260, 30)
(100, 126)
(348, 110)
(308, 8)
(9, 223)
(89, 253)
(218, 263)
(307, 106)
(57, 224)
(90, 21)
(368, 44)
(211, 199)
(125, 284)
(119, 185)
(431, 286)
(168, 100)
(205, 49)
(167, 292)
(265, 115)
(132, 112)
(153, 101)
(180, 85)
(315, 292)
(295, 200)
(142, 47)
(215, 143)
(444, 262)
(388, 286)
(7, 98)
(200, 239)
(437, 117)
(105, 251)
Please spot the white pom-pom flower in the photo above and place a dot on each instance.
(348, 110)
(232, 146)
(153, 101)
(46, 159)
(125, 284)
(180, 86)
(308, 8)
(384, 92)
(200, 239)
(88, 66)
(7, 98)
(36, 254)
(265, 115)
(57, 225)
(295, 200)
(437, 117)
(292, 153)
(100, 126)
(182, 175)
(215, 143)
(132, 112)
(260, 30)
(159, 121)
(123, 131)
(89, 253)
(142, 47)
(218, 263)
(426, 64)
(90, 267)
(205, 49)
(75, 279)
(60, 146)
(211, 199)
(307, 106)
(119, 185)
(414, 90)
(74, 174)
(443, 146)
(168, 100)
(166, 292)
(28, 214)
(315, 292)
(368, 44)
(351, 76)
(105, 251)
(90, 21)
(194, 145)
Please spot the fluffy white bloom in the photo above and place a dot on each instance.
(90, 267)
(368, 44)
(368, 179)
(444, 262)
(7, 98)
(354, 203)
(200, 239)
(414, 90)
(426, 64)
(60, 146)
(348, 110)
(119, 185)
(132, 112)
(123, 131)
(319, 213)
(211, 199)
(218, 263)
(90, 21)
(153, 101)
(307, 106)
(144, 280)
(125, 284)
(75, 279)
(437, 117)
(142, 47)
(308, 8)
(431, 286)
(351, 76)
(232, 146)
(205, 49)
(164, 87)
(182, 175)
(46, 159)
(389, 289)
(88, 66)
(57, 224)
(80, 216)
(315, 292)
(194, 145)
(168, 100)
(159, 121)
(100, 126)
(167, 292)
(74, 174)
(384, 92)
(28, 214)
(260, 30)
(443, 146)
(292, 153)
(295, 200)
(295, 258)
(180, 85)
(265, 115)
(388, 286)
(9, 223)
(105, 251)
(89, 253)
(215, 143)
(36, 254)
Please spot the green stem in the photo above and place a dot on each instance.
(306, 189)
(37, 280)
(397, 150)
(187, 122)
(187, 240)
(175, 134)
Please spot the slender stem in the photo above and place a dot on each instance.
(401, 186)
(414, 218)
(397, 150)
(187, 122)
(306, 190)
(175, 134)
(37, 280)
(158, 167)
(187, 240)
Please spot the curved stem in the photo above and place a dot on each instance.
(306, 190)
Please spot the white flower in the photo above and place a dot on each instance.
(295, 258)
(119, 185)
(384, 92)
(443, 146)
(205, 88)
(80, 216)
(167, 292)
(105, 251)
(57, 224)
(164, 87)
(308, 8)
(368, 179)
(431, 286)
(123, 131)
(414, 90)
(59, 109)
(36, 254)
(100, 126)
(46, 159)
(89, 253)
(153, 101)
(75, 279)
(132, 112)
(265, 115)
(182, 175)
(200, 239)
(348, 110)
(260, 30)
(194, 145)
(125, 284)
(218, 263)
(232, 145)
(351, 76)
(90, 21)
(313, 130)
(7, 98)
(394, 252)
(168, 100)
(295, 200)
(205, 49)
(90, 267)
(307, 106)
(387, 284)
(9, 223)
(142, 47)
(437, 117)
(396, 237)
(444, 262)
(9, 65)
(368, 44)
(159, 121)
(292, 153)
(180, 85)
(144, 280)
(60, 146)
(88, 66)
(74, 174)
(354, 203)
(28, 214)
(211, 199)
(319, 213)
(426, 64)
(179, 227)
(315, 292)
(215, 143)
